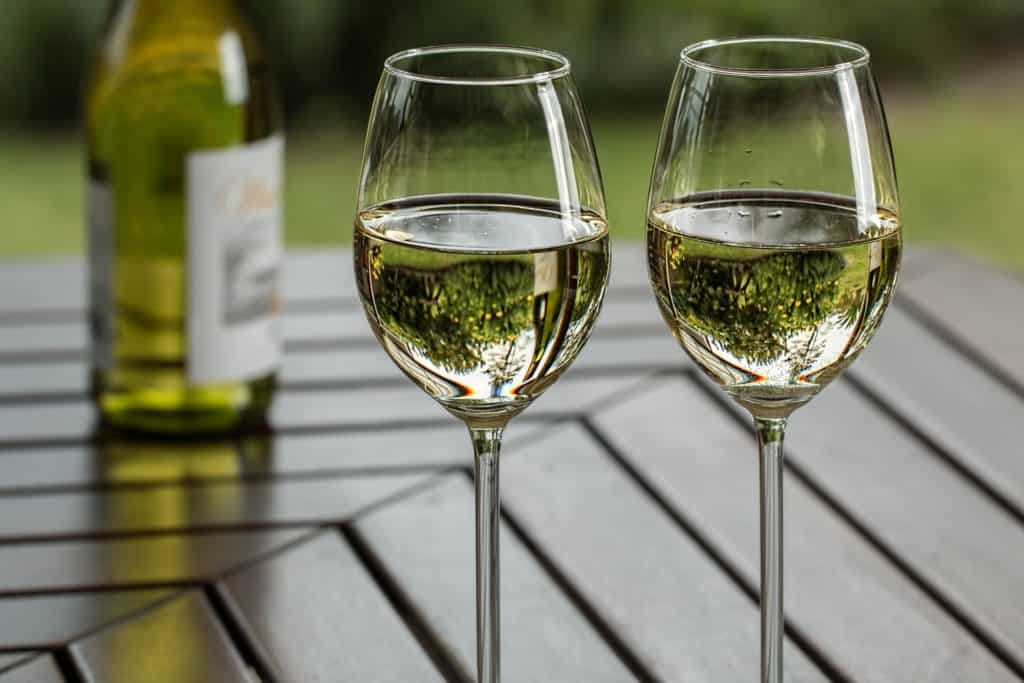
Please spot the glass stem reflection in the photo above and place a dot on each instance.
(770, 433)
(486, 447)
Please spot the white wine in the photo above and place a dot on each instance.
(185, 157)
(482, 300)
(772, 293)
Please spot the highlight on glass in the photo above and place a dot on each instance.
(481, 247)
(773, 237)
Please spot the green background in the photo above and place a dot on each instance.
(950, 73)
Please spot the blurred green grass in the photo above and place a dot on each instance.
(959, 155)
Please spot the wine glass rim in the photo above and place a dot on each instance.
(862, 58)
(559, 63)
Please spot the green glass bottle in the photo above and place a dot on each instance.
(185, 175)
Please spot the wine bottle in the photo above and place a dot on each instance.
(185, 180)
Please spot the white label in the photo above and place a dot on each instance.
(234, 260)
(101, 272)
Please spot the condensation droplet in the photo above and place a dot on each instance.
(774, 214)
(743, 214)
(744, 183)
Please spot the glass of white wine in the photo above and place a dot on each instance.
(773, 238)
(481, 247)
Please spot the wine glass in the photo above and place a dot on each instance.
(773, 238)
(481, 248)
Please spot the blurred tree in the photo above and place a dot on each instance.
(330, 51)
(42, 49)
(754, 306)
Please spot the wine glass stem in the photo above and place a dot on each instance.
(486, 447)
(770, 433)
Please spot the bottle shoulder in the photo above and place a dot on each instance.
(143, 54)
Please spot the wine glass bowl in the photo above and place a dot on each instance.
(773, 238)
(482, 300)
(481, 247)
(773, 228)
(481, 243)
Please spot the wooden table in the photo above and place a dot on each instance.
(340, 548)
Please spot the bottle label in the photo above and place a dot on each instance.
(234, 219)
(100, 220)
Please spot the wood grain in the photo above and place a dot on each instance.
(40, 670)
(846, 597)
(8, 661)
(43, 378)
(218, 506)
(426, 543)
(314, 614)
(52, 621)
(165, 560)
(651, 582)
(948, 398)
(44, 287)
(46, 422)
(179, 642)
(977, 306)
(922, 510)
(404, 403)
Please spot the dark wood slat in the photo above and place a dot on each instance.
(53, 621)
(53, 286)
(656, 588)
(941, 531)
(918, 259)
(314, 614)
(976, 306)
(956, 539)
(74, 421)
(43, 378)
(134, 464)
(630, 311)
(8, 661)
(219, 506)
(313, 362)
(651, 352)
(47, 339)
(426, 543)
(35, 467)
(958, 405)
(57, 287)
(42, 669)
(405, 403)
(367, 364)
(180, 642)
(41, 343)
(46, 422)
(439, 447)
(327, 326)
(629, 267)
(43, 338)
(125, 563)
(131, 462)
(319, 274)
(842, 594)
